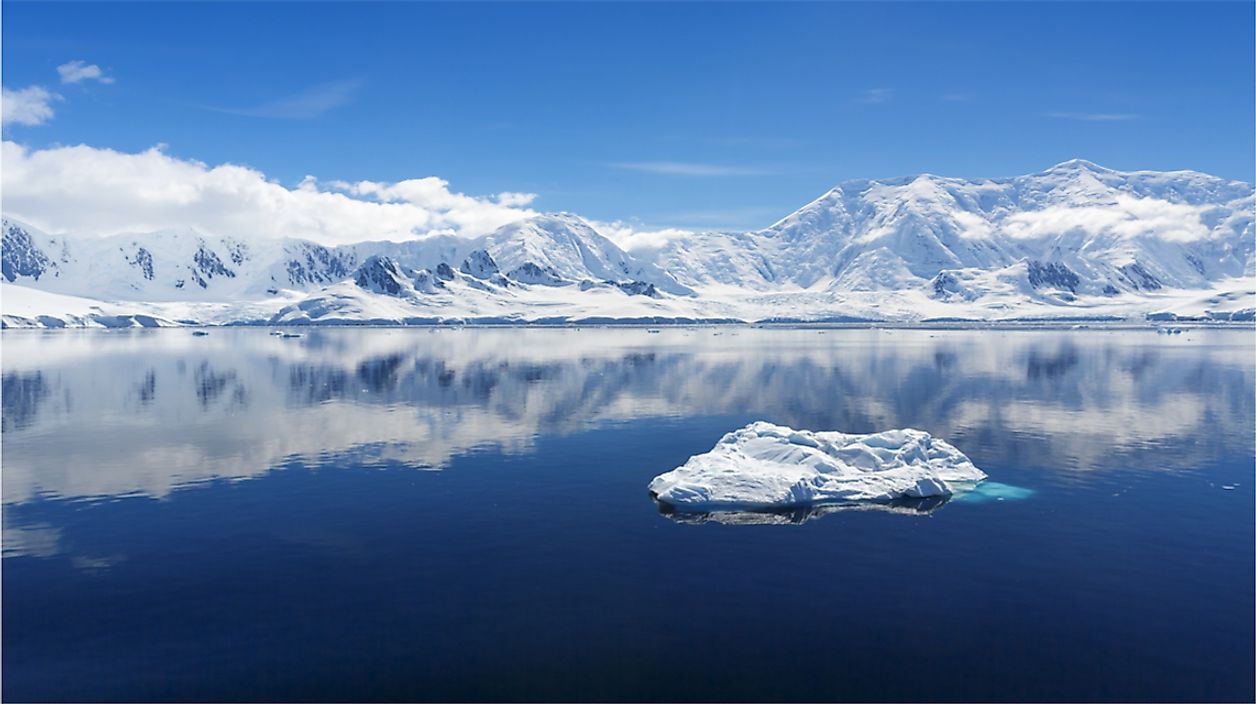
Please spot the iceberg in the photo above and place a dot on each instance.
(767, 467)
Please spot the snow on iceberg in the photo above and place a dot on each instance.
(766, 467)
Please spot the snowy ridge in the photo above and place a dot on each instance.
(167, 266)
(1116, 232)
(1076, 241)
(569, 249)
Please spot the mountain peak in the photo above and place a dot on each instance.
(559, 217)
(551, 223)
(1079, 165)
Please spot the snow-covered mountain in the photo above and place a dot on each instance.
(1076, 228)
(568, 248)
(1076, 240)
(167, 266)
(558, 250)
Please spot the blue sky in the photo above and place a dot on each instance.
(700, 116)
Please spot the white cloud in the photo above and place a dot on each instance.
(1126, 217)
(91, 191)
(633, 237)
(28, 106)
(682, 168)
(79, 71)
(33, 105)
(874, 96)
(307, 104)
(473, 214)
(972, 226)
(515, 199)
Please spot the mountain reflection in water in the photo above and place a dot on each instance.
(94, 414)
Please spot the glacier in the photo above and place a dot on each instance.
(1075, 242)
(764, 466)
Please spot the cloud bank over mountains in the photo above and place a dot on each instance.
(91, 191)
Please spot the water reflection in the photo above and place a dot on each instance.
(23, 394)
(96, 414)
(801, 514)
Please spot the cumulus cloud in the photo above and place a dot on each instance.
(634, 237)
(91, 191)
(1126, 217)
(28, 106)
(79, 71)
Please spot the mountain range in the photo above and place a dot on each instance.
(1077, 241)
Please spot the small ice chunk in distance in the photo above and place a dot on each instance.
(767, 466)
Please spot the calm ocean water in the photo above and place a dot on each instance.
(382, 514)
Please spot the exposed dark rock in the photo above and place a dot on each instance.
(479, 264)
(380, 275)
(314, 264)
(21, 257)
(530, 273)
(636, 288)
(426, 281)
(1196, 263)
(1054, 275)
(143, 260)
(1140, 278)
(238, 251)
(209, 265)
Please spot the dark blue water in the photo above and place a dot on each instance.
(452, 515)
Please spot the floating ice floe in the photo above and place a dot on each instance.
(767, 467)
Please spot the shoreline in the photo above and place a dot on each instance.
(671, 324)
